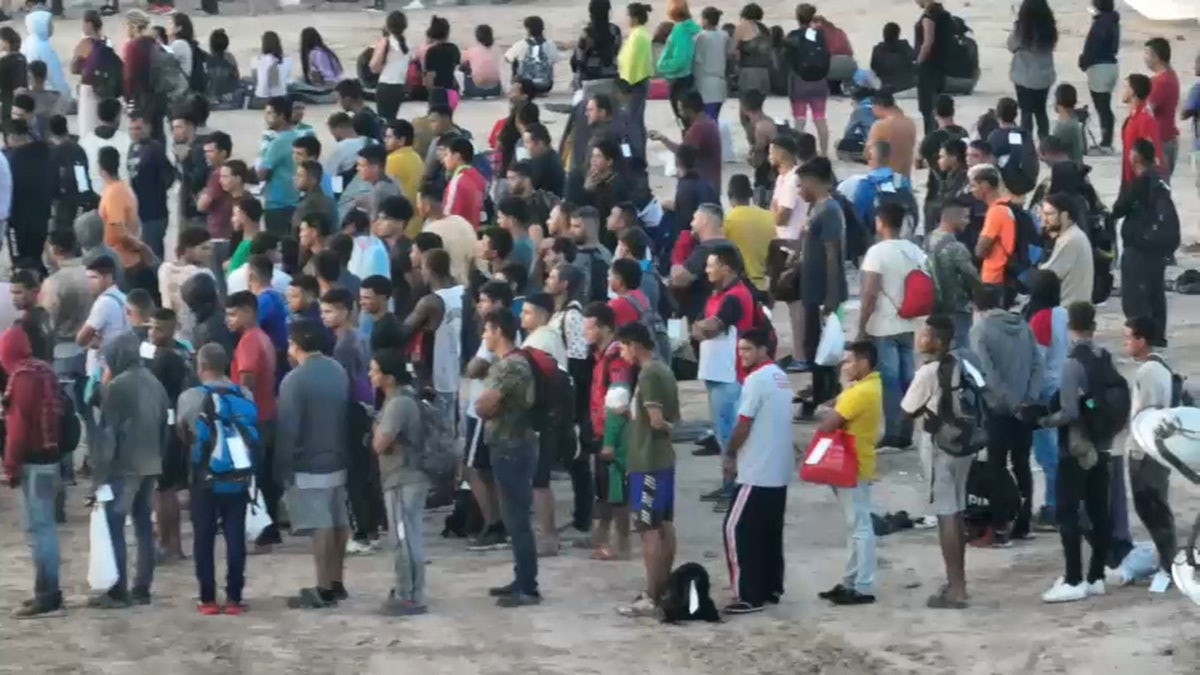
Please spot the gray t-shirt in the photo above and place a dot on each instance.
(400, 420)
(826, 224)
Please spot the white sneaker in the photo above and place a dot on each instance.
(1064, 592)
(1116, 577)
(1161, 582)
(354, 547)
(1096, 588)
(415, 4)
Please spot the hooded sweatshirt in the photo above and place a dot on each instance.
(32, 408)
(199, 293)
(1012, 364)
(1103, 40)
(675, 62)
(37, 47)
(33, 185)
(133, 417)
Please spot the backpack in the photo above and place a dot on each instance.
(858, 238)
(810, 55)
(69, 428)
(919, 294)
(960, 426)
(1179, 393)
(1159, 234)
(368, 77)
(1025, 239)
(984, 488)
(167, 78)
(597, 276)
(1020, 172)
(687, 597)
(1103, 236)
(550, 392)
(535, 66)
(894, 191)
(1105, 406)
(198, 78)
(653, 322)
(227, 417)
(437, 455)
(109, 72)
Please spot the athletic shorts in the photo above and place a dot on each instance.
(652, 498)
(321, 508)
(948, 483)
(806, 96)
(476, 455)
(801, 107)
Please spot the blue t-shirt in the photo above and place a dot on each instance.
(279, 191)
(272, 318)
(1193, 106)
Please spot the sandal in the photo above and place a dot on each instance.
(603, 553)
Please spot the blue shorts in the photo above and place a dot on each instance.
(652, 498)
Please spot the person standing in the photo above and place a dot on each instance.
(934, 35)
(635, 67)
(33, 190)
(32, 409)
(702, 134)
(823, 274)
(1164, 101)
(675, 63)
(808, 88)
(1032, 41)
(389, 61)
(138, 55)
(952, 267)
(151, 177)
(1099, 61)
(711, 49)
(277, 168)
(74, 186)
(1191, 111)
(311, 458)
(1143, 258)
(762, 456)
(1071, 259)
(1139, 124)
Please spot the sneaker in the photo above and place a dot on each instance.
(714, 496)
(356, 547)
(742, 607)
(395, 607)
(1161, 582)
(39, 610)
(707, 447)
(310, 598)
(1000, 540)
(339, 591)
(1064, 592)
(488, 540)
(984, 540)
(1116, 577)
(853, 597)
(797, 366)
(1096, 587)
(110, 600)
(722, 506)
(208, 609)
(519, 600)
(140, 596)
(502, 591)
(235, 609)
(837, 591)
(642, 605)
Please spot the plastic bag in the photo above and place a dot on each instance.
(257, 518)
(833, 342)
(830, 460)
(102, 559)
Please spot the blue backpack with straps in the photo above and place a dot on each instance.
(228, 420)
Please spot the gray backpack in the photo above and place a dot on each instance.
(959, 428)
(650, 318)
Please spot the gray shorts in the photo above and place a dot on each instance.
(321, 508)
(948, 483)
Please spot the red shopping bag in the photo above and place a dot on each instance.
(830, 460)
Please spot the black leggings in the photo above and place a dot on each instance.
(388, 98)
(1103, 103)
(1032, 103)
(929, 86)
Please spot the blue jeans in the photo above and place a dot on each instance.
(132, 496)
(962, 330)
(154, 233)
(722, 406)
(513, 465)
(859, 572)
(406, 505)
(227, 512)
(39, 486)
(896, 371)
(1045, 451)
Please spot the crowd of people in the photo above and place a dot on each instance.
(334, 318)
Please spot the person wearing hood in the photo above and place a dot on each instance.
(1099, 61)
(89, 233)
(1013, 369)
(127, 460)
(34, 187)
(678, 55)
(200, 295)
(36, 47)
(32, 409)
(466, 188)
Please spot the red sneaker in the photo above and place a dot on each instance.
(208, 608)
(235, 609)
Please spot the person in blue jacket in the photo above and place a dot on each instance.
(880, 184)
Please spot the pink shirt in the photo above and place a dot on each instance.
(485, 67)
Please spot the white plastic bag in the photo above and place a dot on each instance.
(833, 342)
(102, 559)
(257, 518)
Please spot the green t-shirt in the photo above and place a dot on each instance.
(513, 378)
(240, 255)
(650, 449)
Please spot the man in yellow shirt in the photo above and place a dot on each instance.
(404, 165)
(750, 228)
(858, 412)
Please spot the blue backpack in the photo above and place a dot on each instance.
(227, 418)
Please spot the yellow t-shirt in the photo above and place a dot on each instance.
(861, 406)
(751, 230)
(405, 167)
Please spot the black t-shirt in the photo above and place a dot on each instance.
(943, 29)
(932, 144)
(548, 173)
(442, 59)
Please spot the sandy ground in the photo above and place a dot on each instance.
(1007, 629)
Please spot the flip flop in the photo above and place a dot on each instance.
(603, 553)
(940, 601)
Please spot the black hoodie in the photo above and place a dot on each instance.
(70, 161)
(200, 294)
(1103, 40)
(34, 183)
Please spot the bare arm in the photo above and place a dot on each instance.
(382, 443)
(983, 247)
(654, 415)
(831, 422)
(487, 406)
(872, 282)
(741, 431)
(477, 368)
(927, 33)
(378, 55)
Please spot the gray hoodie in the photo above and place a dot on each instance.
(1074, 386)
(314, 401)
(89, 232)
(1012, 365)
(1032, 67)
(133, 423)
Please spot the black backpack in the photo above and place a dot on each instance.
(858, 238)
(69, 430)
(809, 54)
(108, 75)
(1179, 393)
(687, 597)
(1025, 236)
(198, 78)
(1160, 233)
(1103, 236)
(1105, 406)
(1020, 173)
(960, 426)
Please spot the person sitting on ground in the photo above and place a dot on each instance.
(320, 65)
(481, 66)
(893, 61)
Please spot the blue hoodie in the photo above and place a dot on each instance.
(37, 47)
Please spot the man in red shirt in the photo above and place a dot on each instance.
(703, 134)
(1140, 123)
(625, 278)
(253, 368)
(466, 187)
(1164, 101)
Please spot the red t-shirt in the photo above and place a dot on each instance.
(255, 355)
(625, 310)
(1164, 102)
(609, 369)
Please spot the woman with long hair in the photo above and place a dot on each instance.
(224, 81)
(635, 66)
(83, 63)
(1099, 61)
(676, 60)
(389, 60)
(442, 58)
(320, 65)
(1032, 41)
(595, 59)
(272, 69)
(481, 66)
(534, 57)
(752, 49)
(183, 47)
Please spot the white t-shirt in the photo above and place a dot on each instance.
(550, 341)
(395, 64)
(892, 259)
(767, 458)
(787, 196)
(475, 387)
(236, 280)
(262, 79)
(182, 52)
(108, 319)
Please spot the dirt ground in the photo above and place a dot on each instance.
(1006, 630)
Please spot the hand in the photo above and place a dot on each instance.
(607, 454)
(825, 311)
(654, 136)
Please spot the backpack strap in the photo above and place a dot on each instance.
(562, 329)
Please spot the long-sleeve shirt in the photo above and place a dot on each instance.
(1140, 124)
(5, 187)
(136, 56)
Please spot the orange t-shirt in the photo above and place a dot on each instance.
(119, 211)
(999, 226)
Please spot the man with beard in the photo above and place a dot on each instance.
(33, 190)
(521, 185)
(927, 155)
(602, 124)
(190, 162)
(591, 256)
(544, 163)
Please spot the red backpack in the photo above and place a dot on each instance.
(919, 294)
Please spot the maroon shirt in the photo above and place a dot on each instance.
(137, 56)
(705, 136)
(219, 217)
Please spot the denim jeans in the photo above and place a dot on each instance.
(859, 573)
(154, 232)
(1045, 451)
(513, 465)
(226, 512)
(896, 371)
(405, 506)
(132, 496)
(962, 330)
(39, 486)
(722, 406)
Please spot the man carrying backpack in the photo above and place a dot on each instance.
(882, 185)
(535, 318)
(808, 55)
(1012, 368)
(1002, 248)
(218, 498)
(1087, 427)
(1015, 152)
